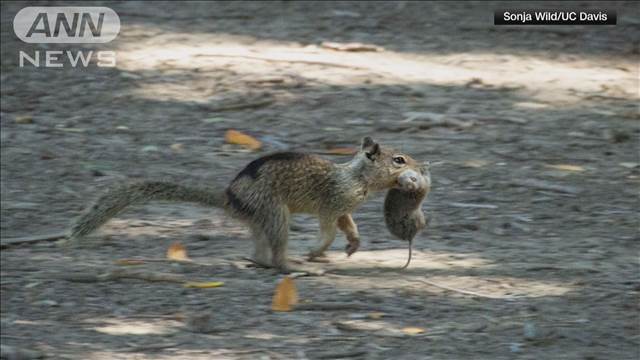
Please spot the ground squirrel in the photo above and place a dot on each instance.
(271, 188)
(403, 205)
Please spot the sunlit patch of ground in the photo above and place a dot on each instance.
(136, 327)
(380, 269)
(540, 79)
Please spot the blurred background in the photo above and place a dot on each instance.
(533, 131)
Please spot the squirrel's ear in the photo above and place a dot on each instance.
(367, 142)
(373, 152)
(370, 148)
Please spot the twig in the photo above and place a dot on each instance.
(243, 352)
(292, 61)
(134, 261)
(295, 272)
(466, 292)
(157, 316)
(510, 156)
(7, 336)
(12, 352)
(543, 185)
(256, 264)
(150, 347)
(473, 206)
(172, 16)
(450, 138)
(246, 105)
(341, 355)
(5, 243)
(332, 306)
(141, 275)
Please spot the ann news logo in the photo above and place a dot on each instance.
(66, 25)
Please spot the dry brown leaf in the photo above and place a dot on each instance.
(285, 296)
(240, 138)
(566, 167)
(177, 251)
(342, 151)
(412, 330)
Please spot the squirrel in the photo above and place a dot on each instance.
(403, 205)
(268, 190)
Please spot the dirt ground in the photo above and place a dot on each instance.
(533, 132)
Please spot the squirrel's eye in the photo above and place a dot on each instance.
(399, 160)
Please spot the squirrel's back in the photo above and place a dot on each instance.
(303, 182)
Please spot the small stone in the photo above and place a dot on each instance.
(201, 323)
(617, 135)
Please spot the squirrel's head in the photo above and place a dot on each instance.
(382, 167)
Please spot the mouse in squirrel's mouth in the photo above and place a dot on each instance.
(403, 205)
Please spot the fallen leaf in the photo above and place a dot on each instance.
(629, 165)
(375, 315)
(24, 119)
(240, 138)
(354, 46)
(203, 285)
(150, 148)
(177, 251)
(286, 295)
(129, 262)
(342, 151)
(475, 163)
(412, 330)
(566, 167)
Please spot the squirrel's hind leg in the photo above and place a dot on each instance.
(326, 236)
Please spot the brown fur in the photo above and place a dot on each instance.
(271, 188)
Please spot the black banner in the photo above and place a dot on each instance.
(554, 17)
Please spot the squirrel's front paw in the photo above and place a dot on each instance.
(352, 247)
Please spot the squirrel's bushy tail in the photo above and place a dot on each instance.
(116, 200)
